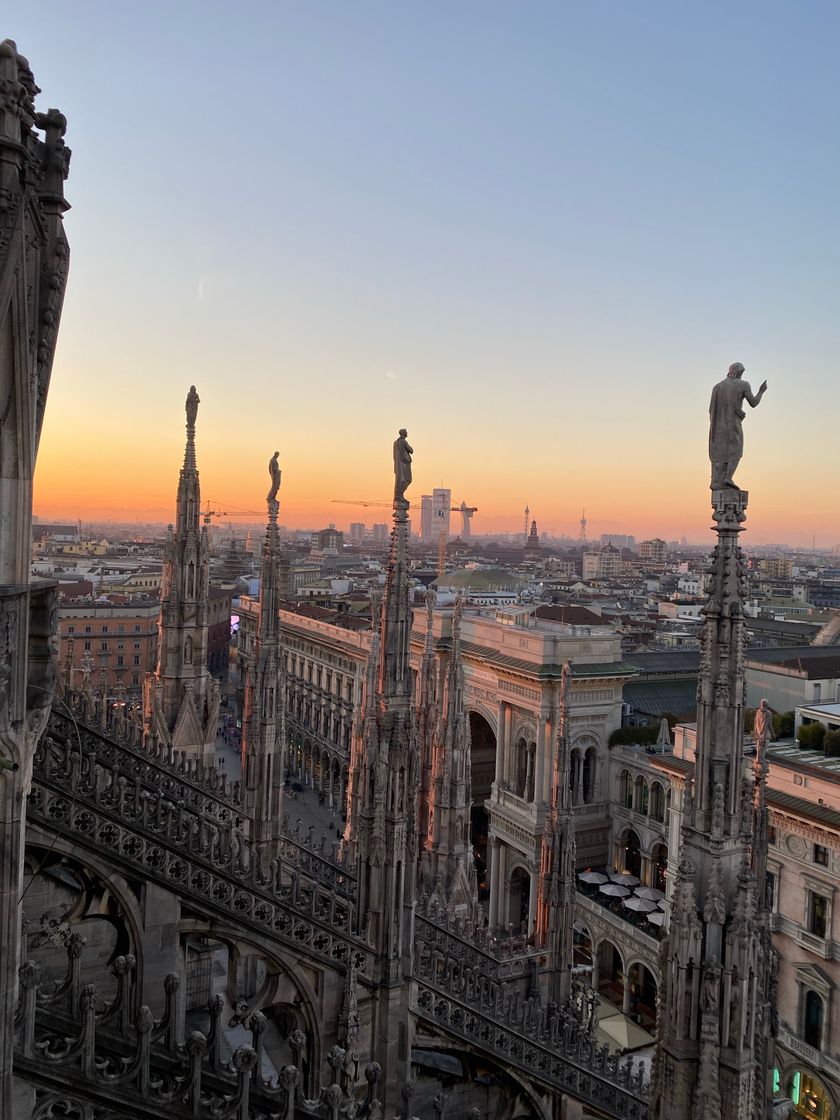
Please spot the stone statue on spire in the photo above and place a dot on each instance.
(726, 436)
(274, 473)
(402, 465)
(193, 401)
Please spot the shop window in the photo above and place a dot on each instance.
(808, 1096)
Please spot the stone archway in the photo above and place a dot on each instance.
(519, 897)
(482, 774)
(611, 972)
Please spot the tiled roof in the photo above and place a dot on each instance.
(656, 698)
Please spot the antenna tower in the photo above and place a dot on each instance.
(525, 525)
(583, 525)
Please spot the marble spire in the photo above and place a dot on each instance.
(182, 698)
(556, 885)
(263, 734)
(427, 721)
(381, 832)
(447, 856)
(715, 1020)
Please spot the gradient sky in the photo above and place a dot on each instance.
(535, 234)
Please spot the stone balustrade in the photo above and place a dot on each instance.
(82, 1053)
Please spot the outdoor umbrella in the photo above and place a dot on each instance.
(614, 890)
(625, 878)
(649, 892)
(657, 918)
(642, 905)
(624, 1033)
(594, 877)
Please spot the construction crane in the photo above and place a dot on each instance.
(466, 513)
(361, 502)
(208, 514)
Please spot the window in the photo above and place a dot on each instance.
(120, 645)
(137, 659)
(119, 660)
(120, 629)
(104, 627)
(770, 891)
(103, 646)
(71, 629)
(87, 629)
(136, 645)
(87, 645)
(817, 914)
(135, 679)
(136, 629)
(813, 1022)
(821, 855)
(771, 834)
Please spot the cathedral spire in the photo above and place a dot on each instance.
(427, 718)
(182, 699)
(556, 886)
(382, 817)
(263, 723)
(448, 867)
(715, 1026)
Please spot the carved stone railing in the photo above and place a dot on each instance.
(820, 1061)
(181, 778)
(194, 799)
(472, 947)
(621, 927)
(81, 1052)
(203, 861)
(549, 1048)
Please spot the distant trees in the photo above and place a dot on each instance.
(811, 736)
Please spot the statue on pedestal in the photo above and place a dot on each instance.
(274, 472)
(402, 465)
(192, 403)
(726, 437)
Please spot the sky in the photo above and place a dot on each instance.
(534, 234)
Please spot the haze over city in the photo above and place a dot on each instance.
(448, 219)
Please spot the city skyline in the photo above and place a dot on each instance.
(505, 238)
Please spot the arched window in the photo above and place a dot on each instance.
(659, 866)
(813, 1025)
(640, 799)
(657, 801)
(631, 853)
(625, 789)
(574, 779)
(590, 760)
(521, 768)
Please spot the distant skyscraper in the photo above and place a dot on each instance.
(380, 534)
(357, 532)
(618, 540)
(426, 518)
(434, 515)
(441, 510)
